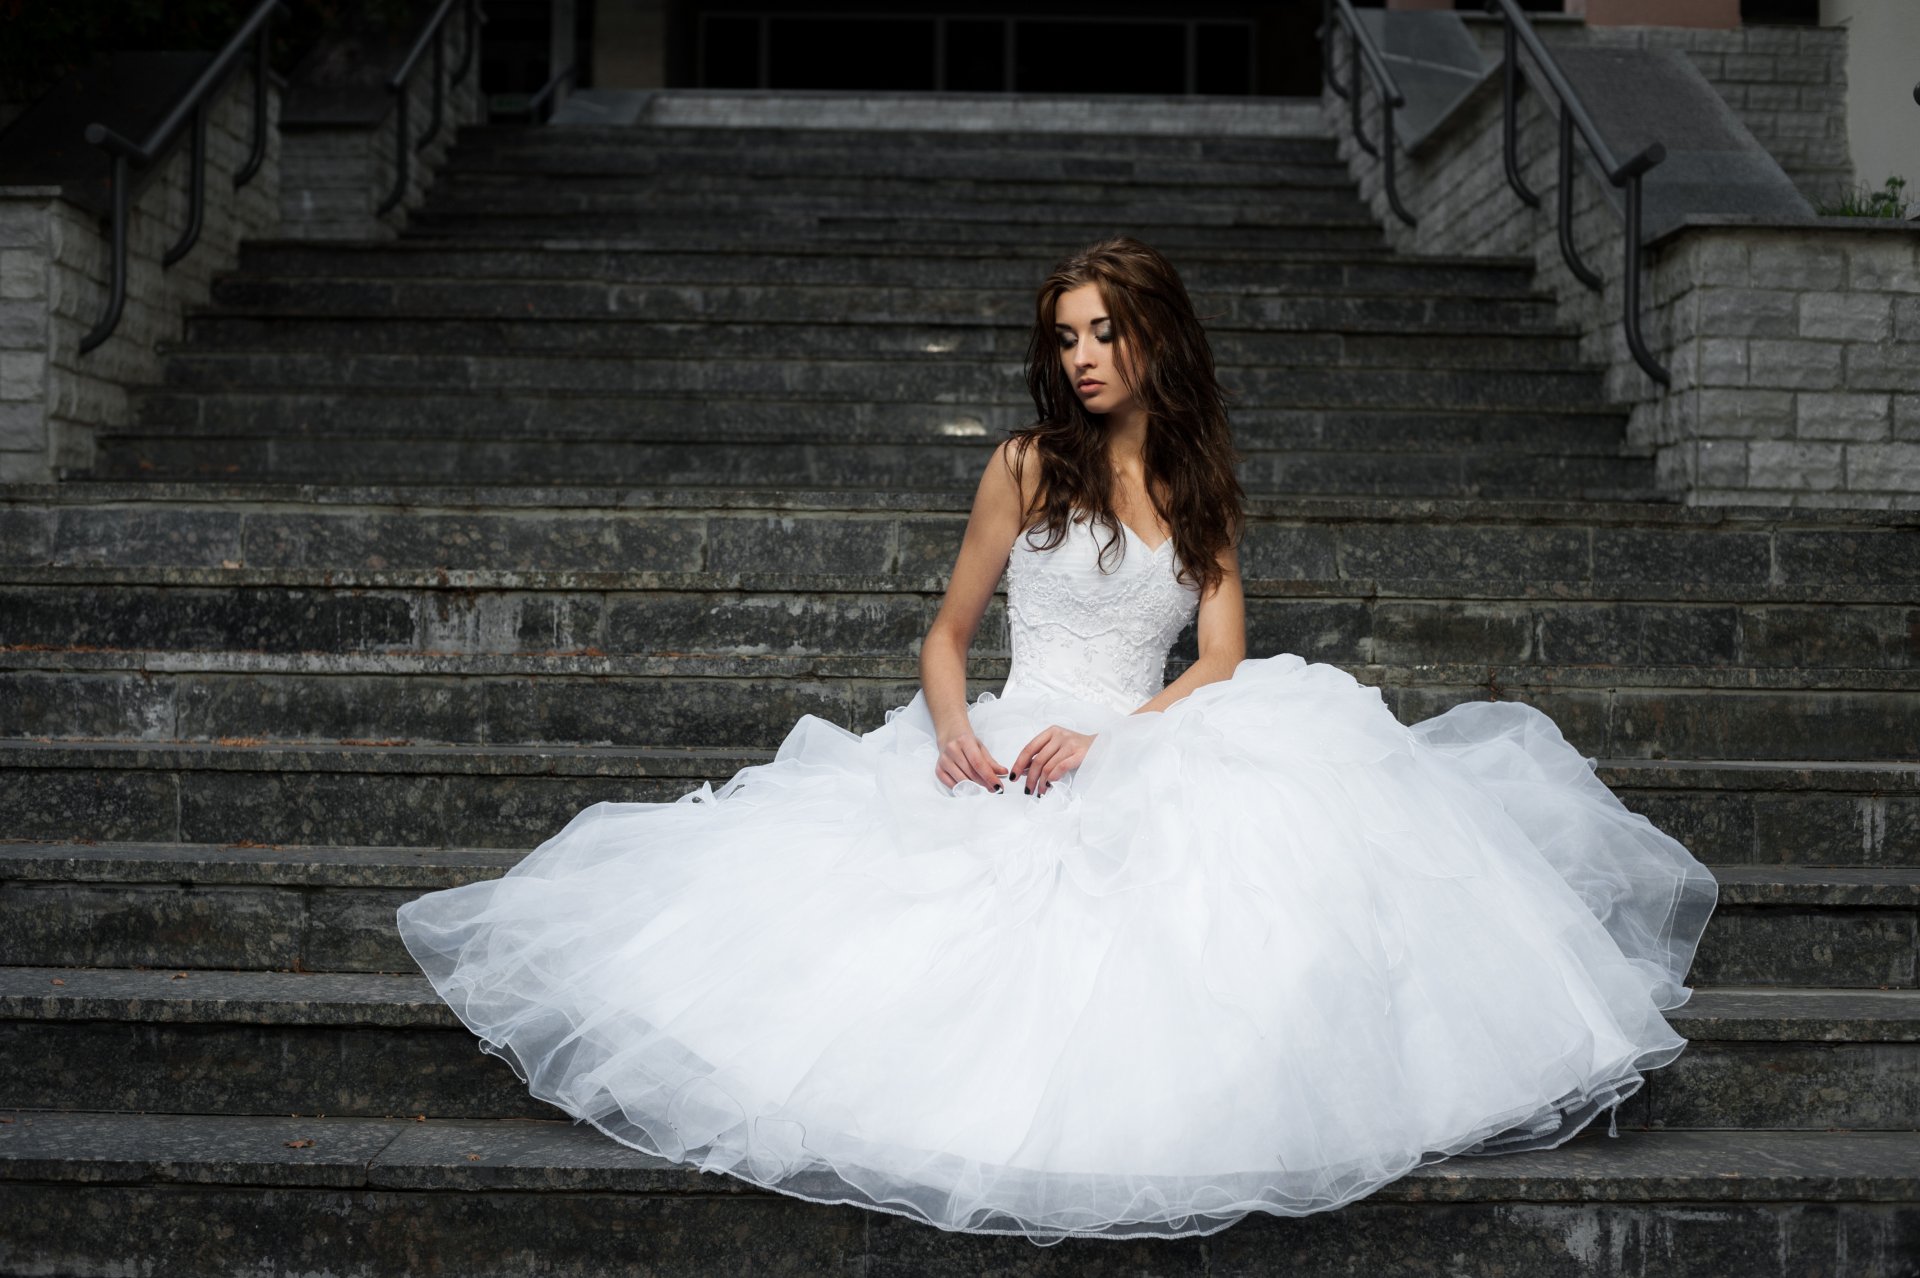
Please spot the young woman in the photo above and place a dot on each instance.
(1096, 957)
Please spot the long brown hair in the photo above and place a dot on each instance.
(1189, 455)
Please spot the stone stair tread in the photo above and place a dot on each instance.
(702, 762)
(426, 498)
(321, 865)
(548, 251)
(1439, 589)
(557, 1156)
(407, 1000)
(721, 663)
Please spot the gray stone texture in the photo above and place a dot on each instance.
(1783, 333)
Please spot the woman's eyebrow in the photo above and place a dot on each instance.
(1098, 319)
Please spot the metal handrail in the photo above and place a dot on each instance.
(1625, 174)
(192, 107)
(1361, 51)
(431, 38)
(565, 75)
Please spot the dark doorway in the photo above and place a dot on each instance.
(1221, 48)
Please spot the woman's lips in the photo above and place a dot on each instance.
(1089, 387)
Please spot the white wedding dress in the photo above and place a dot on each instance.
(1265, 950)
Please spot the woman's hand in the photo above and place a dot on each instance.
(1050, 756)
(963, 758)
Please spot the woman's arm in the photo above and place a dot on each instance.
(1057, 751)
(999, 510)
(1222, 635)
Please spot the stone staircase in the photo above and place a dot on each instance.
(644, 442)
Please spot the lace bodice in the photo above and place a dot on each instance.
(1099, 636)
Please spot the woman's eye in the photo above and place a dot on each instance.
(1104, 338)
(1066, 343)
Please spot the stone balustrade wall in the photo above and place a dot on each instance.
(1794, 348)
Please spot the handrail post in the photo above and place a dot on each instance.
(257, 153)
(1581, 271)
(196, 189)
(470, 10)
(1511, 121)
(1354, 100)
(117, 278)
(1328, 62)
(1636, 342)
(439, 87)
(1388, 141)
(402, 152)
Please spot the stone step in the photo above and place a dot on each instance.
(1157, 211)
(385, 793)
(928, 380)
(94, 1194)
(748, 341)
(373, 1045)
(1081, 145)
(290, 297)
(885, 172)
(813, 263)
(167, 453)
(671, 698)
(766, 233)
(602, 538)
(331, 909)
(256, 616)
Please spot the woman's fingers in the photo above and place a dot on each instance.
(1044, 771)
(1024, 761)
(981, 765)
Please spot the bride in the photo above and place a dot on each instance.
(1095, 956)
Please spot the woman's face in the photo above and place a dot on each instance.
(1094, 359)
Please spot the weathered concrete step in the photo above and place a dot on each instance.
(934, 344)
(375, 793)
(893, 173)
(1651, 712)
(927, 379)
(1080, 144)
(1509, 550)
(330, 909)
(816, 264)
(767, 230)
(196, 1195)
(170, 454)
(286, 297)
(51, 616)
(763, 422)
(371, 1045)
(1157, 211)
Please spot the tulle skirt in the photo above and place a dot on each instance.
(1266, 951)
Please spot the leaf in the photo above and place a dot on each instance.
(298, 1144)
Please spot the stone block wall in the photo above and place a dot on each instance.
(1799, 352)
(1781, 341)
(54, 276)
(337, 173)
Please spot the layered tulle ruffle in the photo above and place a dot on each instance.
(1265, 951)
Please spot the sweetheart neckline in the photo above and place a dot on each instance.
(1151, 550)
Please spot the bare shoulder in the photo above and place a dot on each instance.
(1014, 472)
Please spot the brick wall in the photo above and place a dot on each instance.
(1795, 351)
(54, 260)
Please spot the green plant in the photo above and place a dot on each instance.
(1861, 200)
